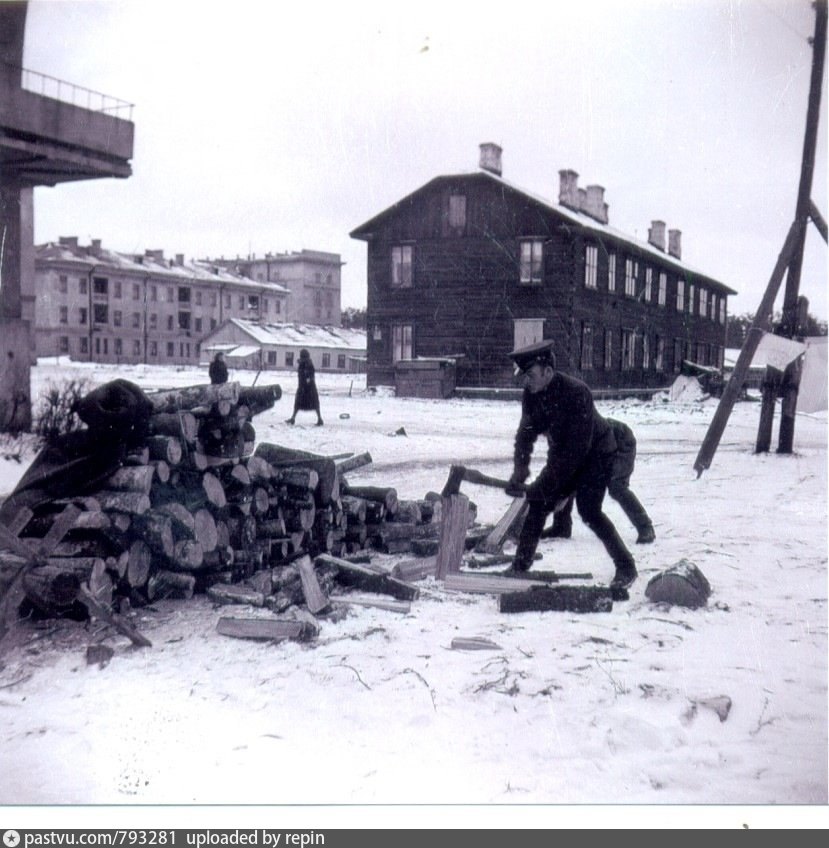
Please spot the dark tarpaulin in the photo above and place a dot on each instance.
(117, 416)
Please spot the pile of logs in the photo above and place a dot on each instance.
(201, 504)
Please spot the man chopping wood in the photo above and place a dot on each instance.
(581, 447)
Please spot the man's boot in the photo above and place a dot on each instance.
(625, 574)
(562, 528)
(646, 535)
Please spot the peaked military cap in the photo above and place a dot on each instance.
(538, 352)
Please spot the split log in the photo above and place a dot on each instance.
(488, 584)
(453, 529)
(132, 478)
(235, 594)
(408, 511)
(353, 462)
(204, 529)
(190, 397)
(560, 599)
(156, 530)
(213, 490)
(267, 629)
(300, 478)
(259, 469)
(415, 569)
(259, 398)
(270, 528)
(133, 503)
(182, 522)
(170, 585)
(219, 558)
(162, 470)
(139, 564)
(510, 524)
(167, 448)
(377, 603)
(183, 425)
(360, 577)
(327, 489)
(260, 502)
(391, 531)
(386, 496)
(120, 521)
(188, 555)
(315, 599)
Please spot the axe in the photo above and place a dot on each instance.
(459, 473)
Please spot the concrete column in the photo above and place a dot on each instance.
(16, 289)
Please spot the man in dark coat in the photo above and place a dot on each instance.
(218, 369)
(618, 488)
(581, 446)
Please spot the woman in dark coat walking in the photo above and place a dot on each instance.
(306, 392)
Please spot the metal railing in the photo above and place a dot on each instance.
(76, 95)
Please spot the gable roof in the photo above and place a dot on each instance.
(295, 335)
(580, 219)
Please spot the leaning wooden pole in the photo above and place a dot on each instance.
(755, 332)
(791, 378)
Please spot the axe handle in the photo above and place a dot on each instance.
(474, 476)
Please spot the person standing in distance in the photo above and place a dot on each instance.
(218, 369)
(580, 450)
(306, 396)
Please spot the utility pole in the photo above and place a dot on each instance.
(791, 259)
(790, 324)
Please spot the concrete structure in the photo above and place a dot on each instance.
(312, 278)
(46, 138)
(470, 266)
(100, 305)
(271, 346)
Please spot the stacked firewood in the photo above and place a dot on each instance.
(200, 504)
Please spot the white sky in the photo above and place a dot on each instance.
(267, 127)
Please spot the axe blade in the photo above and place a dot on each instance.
(453, 481)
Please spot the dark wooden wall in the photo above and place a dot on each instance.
(465, 293)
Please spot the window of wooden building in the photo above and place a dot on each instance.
(401, 342)
(608, 349)
(648, 284)
(628, 349)
(326, 360)
(679, 347)
(64, 315)
(63, 344)
(591, 266)
(457, 211)
(691, 294)
(646, 351)
(532, 255)
(631, 273)
(680, 295)
(527, 331)
(401, 266)
(662, 295)
(611, 272)
(703, 302)
(340, 360)
(586, 347)
(659, 354)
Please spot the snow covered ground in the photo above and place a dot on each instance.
(599, 709)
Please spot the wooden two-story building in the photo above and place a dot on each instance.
(469, 266)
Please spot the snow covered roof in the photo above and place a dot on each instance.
(580, 218)
(149, 264)
(302, 335)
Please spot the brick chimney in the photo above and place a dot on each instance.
(490, 158)
(68, 241)
(656, 235)
(179, 259)
(157, 255)
(95, 247)
(568, 189)
(594, 205)
(675, 243)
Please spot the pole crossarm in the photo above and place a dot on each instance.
(818, 220)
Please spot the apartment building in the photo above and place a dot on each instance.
(102, 305)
